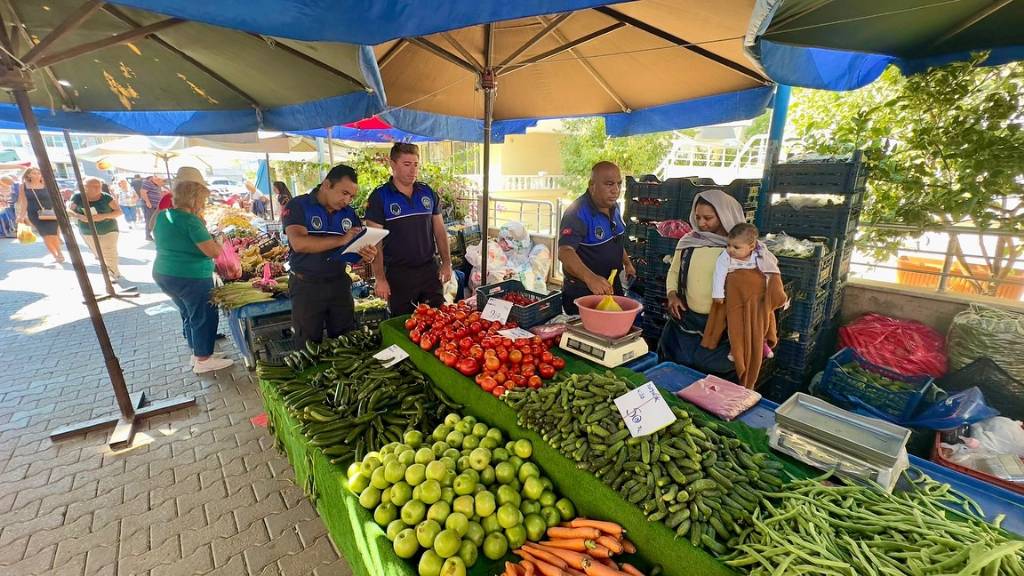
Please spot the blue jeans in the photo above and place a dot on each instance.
(198, 317)
(129, 214)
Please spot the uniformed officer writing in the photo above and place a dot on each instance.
(411, 212)
(592, 239)
(319, 226)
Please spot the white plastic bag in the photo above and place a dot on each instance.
(999, 435)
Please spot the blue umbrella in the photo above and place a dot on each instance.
(847, 45)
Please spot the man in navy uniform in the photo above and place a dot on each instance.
(408, 273)
(319, 226)
(592, 239)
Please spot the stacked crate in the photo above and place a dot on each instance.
(648, 202)
(808, 334)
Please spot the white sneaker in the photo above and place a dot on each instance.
(214, 355)
(211, 364)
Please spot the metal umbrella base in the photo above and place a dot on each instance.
(124, 426)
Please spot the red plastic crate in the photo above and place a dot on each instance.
(938, 459)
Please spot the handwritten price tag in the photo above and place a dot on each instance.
(391, 355)
(496, 310)
(516, 333)
(644, 410)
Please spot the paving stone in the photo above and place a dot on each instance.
(73, 567)
(168, 553)
(13, 552)
(244, 542)
(337, 568)
(39, 563)
(260, 557)
(194, 519)
(65, 499)
(101, 560)
(287, 521)
(216, 494)
(318, 553)
(223, 527)
(199, 562)
(242, 498)
(234, 567)
(41, 539)
(13, 532)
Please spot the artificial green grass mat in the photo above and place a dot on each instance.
(656, 544)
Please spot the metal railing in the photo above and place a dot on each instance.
(516, 182)
(950, 259)
(694, 153)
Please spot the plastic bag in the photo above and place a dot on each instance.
(26, 235)
(540, 266)
(903, 346)
(673, 228)
(961, 409)
(720, 397)
(782, 244)
(227, 264)
(983, 331)
(999, 435)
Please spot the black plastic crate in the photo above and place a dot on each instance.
(658, 245)
(832, 221)
(274, 351)
(656, 306)
(781, 385)
(545, 308)
(836, 176)
(371, 318)
(745, 190)
(844, 258)
(809, 273)
(807, 315)
(796, 357)
(1002, 391)
(654, 269)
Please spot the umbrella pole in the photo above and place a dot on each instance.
(130, 405)
(270, 178)
(167, 167)
(330, 146)
(488, 118)
(771, 157)
(111, 292)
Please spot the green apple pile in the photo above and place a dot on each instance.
(468, 492)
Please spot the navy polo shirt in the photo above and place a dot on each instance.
(409, 222)
(597, 239)
(305, 211)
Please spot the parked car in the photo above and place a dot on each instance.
(224, 188)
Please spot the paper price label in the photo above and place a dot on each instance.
(516, 333)
(496, 310)
(644, 410)
(391, 355)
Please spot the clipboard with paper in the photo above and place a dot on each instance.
(368, 237)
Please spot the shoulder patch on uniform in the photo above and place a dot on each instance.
(316, 222)
(346, 224)
(427, 202)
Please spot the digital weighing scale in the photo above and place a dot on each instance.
(608, 352)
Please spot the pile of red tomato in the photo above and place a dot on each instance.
(519, 298)
(461, 340)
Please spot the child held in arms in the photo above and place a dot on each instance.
(747, 289)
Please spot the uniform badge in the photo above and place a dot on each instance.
(599, 232)
(346, 224)
(566, 231)
(317, 223)
(427, 203)
(396, 209)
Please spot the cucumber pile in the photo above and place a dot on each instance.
(694, 476)
(348, 403)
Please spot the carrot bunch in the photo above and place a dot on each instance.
(581, 547)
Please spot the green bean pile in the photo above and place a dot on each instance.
(854, 530)
(694, 476)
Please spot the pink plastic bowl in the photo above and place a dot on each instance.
(604, 323)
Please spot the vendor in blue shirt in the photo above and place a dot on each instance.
(319, 226)
(592, 239)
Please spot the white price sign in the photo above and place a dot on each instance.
(644, 410)
(496, 310)
(516, 333)
(391, 355)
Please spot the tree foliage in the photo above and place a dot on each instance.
(942, 148)
(586, 144)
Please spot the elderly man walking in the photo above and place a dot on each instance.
(105, 211)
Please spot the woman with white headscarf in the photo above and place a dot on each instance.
(713, 215)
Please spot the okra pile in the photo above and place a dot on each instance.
(348, 403)
(853, 530)
(694, 476)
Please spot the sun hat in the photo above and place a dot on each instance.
(189, 174)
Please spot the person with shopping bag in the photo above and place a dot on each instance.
(34, 206)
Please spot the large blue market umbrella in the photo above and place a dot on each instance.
(845, 45)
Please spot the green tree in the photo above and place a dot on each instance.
(942, 148)
(586, 144)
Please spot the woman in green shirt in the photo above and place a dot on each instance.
(105, 211)
(184, 269)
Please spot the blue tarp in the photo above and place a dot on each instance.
(829, 69)
(368, 135)
(355, 21)
(263, 178)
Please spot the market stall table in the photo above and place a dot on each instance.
(247, 323)
(994, 500)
